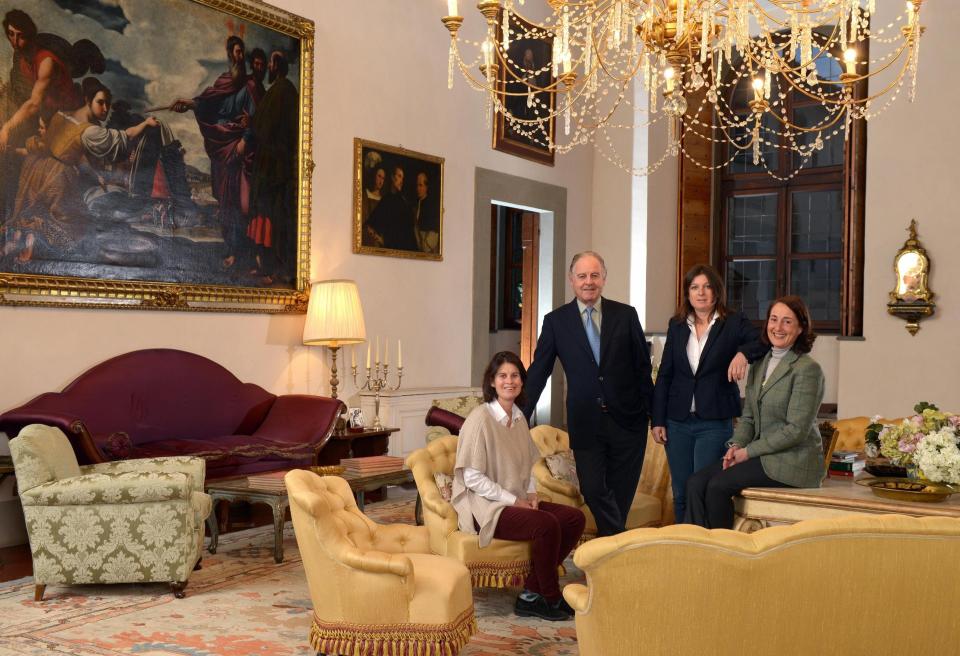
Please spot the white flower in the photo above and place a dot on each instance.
(938, 457)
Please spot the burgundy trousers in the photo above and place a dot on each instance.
(554, 530)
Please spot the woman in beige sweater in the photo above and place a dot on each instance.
(494, 494)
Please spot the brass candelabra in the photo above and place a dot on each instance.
(376, 381)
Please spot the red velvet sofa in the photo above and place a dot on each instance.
(164, 402)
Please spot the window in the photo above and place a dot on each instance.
(793, 233)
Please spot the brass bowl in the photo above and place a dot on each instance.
(905, 489)
(328, 470)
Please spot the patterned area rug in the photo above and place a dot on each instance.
(239, 604)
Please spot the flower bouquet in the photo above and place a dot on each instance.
(927, 444)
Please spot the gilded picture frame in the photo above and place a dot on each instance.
(181, 136)
(529, 67)
(397, 202)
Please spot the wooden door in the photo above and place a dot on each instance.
(531, 277)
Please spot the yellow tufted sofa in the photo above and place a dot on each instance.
(376, 589)
(862, 584)
(646, 509)
(502, 563)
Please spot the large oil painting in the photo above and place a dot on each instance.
(155, 154)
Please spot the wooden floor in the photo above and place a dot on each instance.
(15, 562)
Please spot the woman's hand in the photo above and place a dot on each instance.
(738, 367)
(533, 500)
(660, 434)
(522, 503)
(734, 456)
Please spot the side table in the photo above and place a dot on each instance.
(239, 489)
(368, 442)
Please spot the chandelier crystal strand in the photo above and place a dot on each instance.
(792, 46)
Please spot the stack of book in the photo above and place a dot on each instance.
(372, 465)
(846, 464)
(271, 481)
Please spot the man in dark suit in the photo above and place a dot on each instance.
(604, 355)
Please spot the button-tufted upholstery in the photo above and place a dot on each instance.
(646, 509)
(130, 521)
(376, 589)
(502, 563)
(851, 432)
(803, 581)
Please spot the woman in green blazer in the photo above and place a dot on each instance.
(776, 442)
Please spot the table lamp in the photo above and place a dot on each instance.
(334, 318)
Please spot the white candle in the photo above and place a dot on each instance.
(377, 340)
(668, 74)
(368, 356)
(399, 354)
(353, 357)
(386, 351)
(850, 59)
(452, 8)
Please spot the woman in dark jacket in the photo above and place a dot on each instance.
(696, 396)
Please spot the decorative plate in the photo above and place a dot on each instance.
(905, 489)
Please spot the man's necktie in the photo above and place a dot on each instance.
(593, 336)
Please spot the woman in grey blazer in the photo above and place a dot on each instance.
(776, 442)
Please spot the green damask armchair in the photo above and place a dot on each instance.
(127, 521)
(458, 405)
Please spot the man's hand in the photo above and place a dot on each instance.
(728, 457)
(182, 104)
(734, 456)
(738, 367)
(522, 503)
(659, 434)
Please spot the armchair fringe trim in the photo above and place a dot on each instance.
(393, 639)
(498, 574)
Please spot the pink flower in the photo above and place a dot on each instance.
(907, 446)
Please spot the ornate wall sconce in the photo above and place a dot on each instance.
(911, 299)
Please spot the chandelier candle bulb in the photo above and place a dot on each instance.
(368, 356)
(386, 351)
(452, 8)
(399, 354)
(850, 61)
(668, 74)
(757, 88)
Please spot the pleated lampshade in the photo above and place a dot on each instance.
(334, 314)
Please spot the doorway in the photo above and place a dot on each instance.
(514, 280)
(549, 204)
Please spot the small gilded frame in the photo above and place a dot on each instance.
(397, 202)
(168, 167)
(911, 298)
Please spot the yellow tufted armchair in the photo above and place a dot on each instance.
(127, 521)
(376, 589)
(784, 590)
(646, 509)
(502, 563)
(851, 432)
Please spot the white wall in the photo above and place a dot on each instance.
(381, 75)
(911, 173)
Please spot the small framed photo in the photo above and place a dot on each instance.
(355, 418)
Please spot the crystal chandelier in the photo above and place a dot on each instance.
(718, 69)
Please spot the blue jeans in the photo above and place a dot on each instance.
(693, 444)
